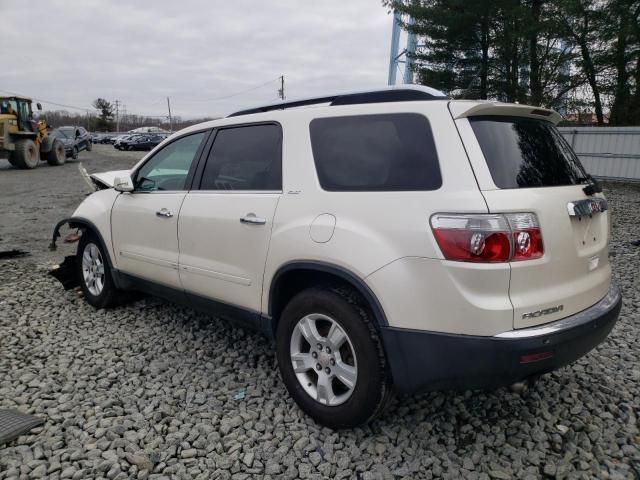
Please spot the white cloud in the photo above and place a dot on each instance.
(141, 52)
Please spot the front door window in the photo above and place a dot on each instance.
(168, 169)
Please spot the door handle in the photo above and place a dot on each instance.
(252, 219)
(163, 212)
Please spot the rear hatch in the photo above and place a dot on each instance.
(523, 164)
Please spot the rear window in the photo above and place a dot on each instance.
(525, 153)
(387, 152)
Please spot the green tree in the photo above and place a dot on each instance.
(623, 32)
(105, 113)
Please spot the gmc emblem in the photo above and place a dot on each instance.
(580, 208)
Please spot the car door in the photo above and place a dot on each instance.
(83, 136)
(144, 223)
(225, 224)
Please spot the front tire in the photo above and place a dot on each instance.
(74, 153)
(26, 154)
(89, 146)
(94, 272)
(331, 358)
(56, 156)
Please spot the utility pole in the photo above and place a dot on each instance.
(117, 102)
(170, 119)
(281, 89)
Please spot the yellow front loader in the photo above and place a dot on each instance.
(23, 141)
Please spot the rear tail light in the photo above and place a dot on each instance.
(487, 237)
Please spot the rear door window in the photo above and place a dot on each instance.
(386, 152)
(525, 153)
(245, 158)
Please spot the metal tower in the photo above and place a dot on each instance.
(405, 56)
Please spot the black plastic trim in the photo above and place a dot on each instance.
(424, 360)
(79, 222)
(240, 316)
(348, 276)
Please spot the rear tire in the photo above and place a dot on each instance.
(345, 385)
(26, 154)
(74, 153)
(94, 272)
(89, 146)
(56, 156)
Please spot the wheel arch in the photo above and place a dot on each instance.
(83, 224)
(293, 277)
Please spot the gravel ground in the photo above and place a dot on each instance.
(151, 390)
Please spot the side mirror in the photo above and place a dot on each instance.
(123, 184)
(39, 106)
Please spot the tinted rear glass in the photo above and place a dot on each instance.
(245, 158)
(388, 152)
(525, 153)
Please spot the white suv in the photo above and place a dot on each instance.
(388, 240)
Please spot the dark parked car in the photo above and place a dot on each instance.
(75, 140)
(100, 138)
(120, 138)
(143, 142)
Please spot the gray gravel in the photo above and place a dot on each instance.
(151, 390)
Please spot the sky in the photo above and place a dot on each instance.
(198, 52)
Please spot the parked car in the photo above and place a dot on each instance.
(394, 240)
(101, 138)
(75, 140)
(120, 138)
(144, 142)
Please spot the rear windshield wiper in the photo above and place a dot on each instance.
(592, 187)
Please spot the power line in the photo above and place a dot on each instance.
(255, 87)
(48, 101)
(224, 97)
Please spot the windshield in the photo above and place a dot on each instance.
(524, 153)
(59, 133)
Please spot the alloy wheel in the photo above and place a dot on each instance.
(93, 269)
(323, 359)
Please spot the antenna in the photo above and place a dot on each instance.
(281, 89)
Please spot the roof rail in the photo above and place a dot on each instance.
(400, 93)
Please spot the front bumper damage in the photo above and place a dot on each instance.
(66, 273)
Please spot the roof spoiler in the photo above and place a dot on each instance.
(462, 109)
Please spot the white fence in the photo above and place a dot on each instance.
(607, 152)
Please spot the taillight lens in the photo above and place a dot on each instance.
(488, 238)
(526, 236)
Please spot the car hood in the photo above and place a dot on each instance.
(107, 179)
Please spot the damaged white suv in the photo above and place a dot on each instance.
(390, 240)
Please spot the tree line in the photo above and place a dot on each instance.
(570, 55)
(104, 119)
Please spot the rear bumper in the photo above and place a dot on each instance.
(422, 360)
